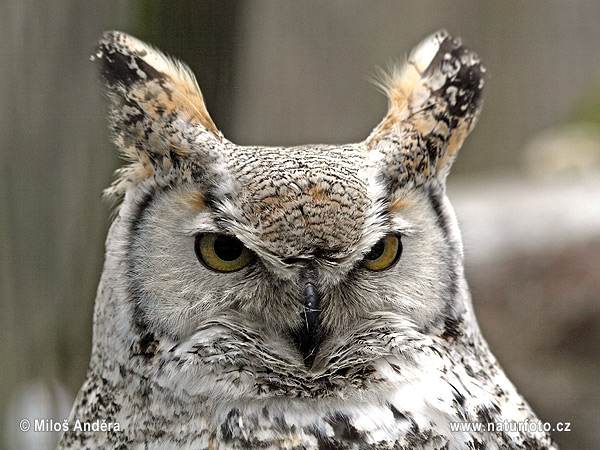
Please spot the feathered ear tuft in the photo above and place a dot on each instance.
(434, 101)
(156, 110)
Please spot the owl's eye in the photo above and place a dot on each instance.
(222, 253)
(384, 254)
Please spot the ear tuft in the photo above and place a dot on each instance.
(434, 101)
(156, 110)
(121, 62)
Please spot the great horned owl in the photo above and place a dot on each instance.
(309, 297)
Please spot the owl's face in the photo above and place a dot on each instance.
(304, 249)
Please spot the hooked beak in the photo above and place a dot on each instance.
(308, 337)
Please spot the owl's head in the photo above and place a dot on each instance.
(307, 259)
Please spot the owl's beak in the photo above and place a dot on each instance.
(308, 337)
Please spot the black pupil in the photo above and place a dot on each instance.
(228, 248)
(376, 251)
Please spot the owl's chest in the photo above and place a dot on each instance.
(414, 413)
(412, 409)
(310, 425)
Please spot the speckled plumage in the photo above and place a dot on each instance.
(185, 357)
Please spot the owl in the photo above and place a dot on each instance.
(308, 297)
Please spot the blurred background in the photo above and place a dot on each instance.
(526, 186)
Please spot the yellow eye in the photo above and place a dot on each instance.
(384, 254)
(222, 253)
